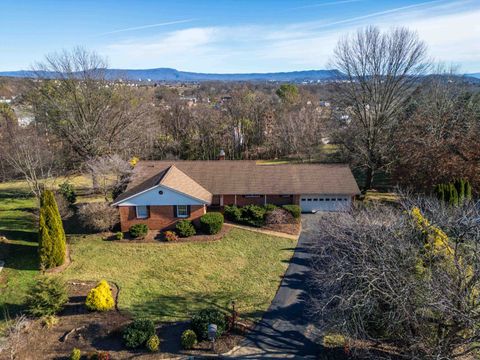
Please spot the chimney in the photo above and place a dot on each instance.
(221, 155)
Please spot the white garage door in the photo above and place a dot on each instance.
(314, 203)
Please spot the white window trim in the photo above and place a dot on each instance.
(146, 212)
(186, 211)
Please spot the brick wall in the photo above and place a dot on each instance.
(160, 217)
(271, 199)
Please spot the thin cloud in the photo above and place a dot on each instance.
(148, 26)
(325, 4)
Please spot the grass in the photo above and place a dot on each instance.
(168, 282)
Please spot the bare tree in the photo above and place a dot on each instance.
(77, 102)
(379, 72)
(382, 277)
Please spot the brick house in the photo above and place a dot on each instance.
(162, 192)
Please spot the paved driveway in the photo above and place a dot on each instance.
(285, 330)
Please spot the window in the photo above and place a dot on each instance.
(327, 199)
(315, 199)
(321, 199)
(142, 212)
(309, 199)
(304, 199)
(286, 196)
(251, 196)
(182, 211)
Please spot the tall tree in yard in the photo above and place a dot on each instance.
(381, 70)
(51, 236)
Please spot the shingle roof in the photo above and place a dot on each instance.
(178, 180)
(247, 177)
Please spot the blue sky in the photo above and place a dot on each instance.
(228, 35)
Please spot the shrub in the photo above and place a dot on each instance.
(233, 213)
(98, 216)
(188, 339)
(454, 193)
(52, 244)
(100, 298)
(170, 236)
(334, 341)
(211, 223)
(138, 230)
(68, 192)
(203, 318)
(253, 215)
(103, 355)
(47, 297)
(50, 321)
(76, 354)
(279, 216)
(64, 208)
(185, 228)
(294, 210)
(138, 332)
(270, 207)
(119, 235)
(153, 343)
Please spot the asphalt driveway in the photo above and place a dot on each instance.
(285, 330)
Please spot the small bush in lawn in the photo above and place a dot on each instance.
(138, 230)
(185, 228)
(211, 223)
(188, 339)
(269, 207)
(203, 318)
(98, 216)
(119, 235)
(253, 215)
(294, 210)
(153, 343)
(233, 213)
(170, 236)
(76, 354)
(68, 192)
(100, 298)
(103, 355)
(138, 332)
(47, 297)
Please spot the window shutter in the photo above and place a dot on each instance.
(188, 210)
(174, 210)
(148, 211)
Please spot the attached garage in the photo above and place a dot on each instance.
(321, 202)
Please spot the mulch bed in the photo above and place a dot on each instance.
(156, 236)
(102, 331)
(291, 229)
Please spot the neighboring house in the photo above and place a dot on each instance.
(162, 192)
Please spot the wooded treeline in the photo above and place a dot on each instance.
(382, 119)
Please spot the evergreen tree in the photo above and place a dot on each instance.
(453, 195)
(52, 243)
(468, 191)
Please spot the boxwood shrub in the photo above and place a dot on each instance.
(138, 230)
(253, 215)
(233, 213)
(185, 228)
(188, 339)
(138, 332)
(203, 318)
(294, 210)
(211, 223)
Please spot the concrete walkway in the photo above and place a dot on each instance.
(264, 231)
(285, 330)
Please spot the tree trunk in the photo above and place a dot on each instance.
(369, 174)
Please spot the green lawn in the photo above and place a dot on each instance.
(168, 282)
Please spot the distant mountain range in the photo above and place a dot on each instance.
(167, 74)
(173, 75)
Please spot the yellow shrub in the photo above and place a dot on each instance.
(133, 161)
(334, 341)
(100, 298)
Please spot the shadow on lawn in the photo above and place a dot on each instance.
(19, 256)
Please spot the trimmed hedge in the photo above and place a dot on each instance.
(185, 228)
(203, 318)
(294, 210)
(138, 230)
(211, 223)
(138, 333)
(233, 213)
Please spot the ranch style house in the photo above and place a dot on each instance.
(160, 193)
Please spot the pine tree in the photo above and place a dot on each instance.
(52, 243)
(468, 191)
(453, 196)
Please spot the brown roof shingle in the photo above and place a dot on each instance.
(247, 177)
